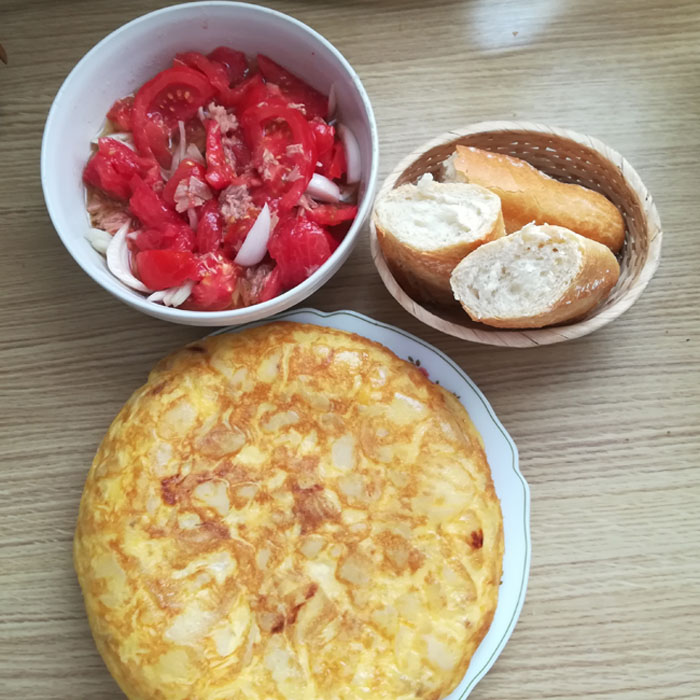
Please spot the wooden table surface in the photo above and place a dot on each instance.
(607, 426)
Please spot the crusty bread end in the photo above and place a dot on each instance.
(528, 195)
(424, 230)
(538, 276)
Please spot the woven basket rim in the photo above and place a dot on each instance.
(540, 336)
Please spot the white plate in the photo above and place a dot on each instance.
(511, 487)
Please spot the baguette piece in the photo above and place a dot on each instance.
(538, 276)
(424, 230)
(528, 195)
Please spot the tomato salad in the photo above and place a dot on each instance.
(223, 182)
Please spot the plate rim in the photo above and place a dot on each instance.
(515, 464)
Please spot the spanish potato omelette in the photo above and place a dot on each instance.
(289, 512)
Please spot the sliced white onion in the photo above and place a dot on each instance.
(352, 153)
(193, 219)
(323, 189)
(118, 261)
(99, 239)
(348, 193)
(193, 153)
(178, 154)
(158, 296)
(174, 296)
(253, 249)
(332, 101)
(178, 295)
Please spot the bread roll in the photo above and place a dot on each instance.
(424, 230)
(528, 195)
(535, 277)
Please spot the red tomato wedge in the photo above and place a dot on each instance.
(121, 113)
(299, 247)
(187, 168)
(161, 269)
(155, 133)
(332, 214)
(272, 286)
(288, 171)
(150, 208)
(336, 167)
(294, 88)
(214, 291)
(219, 173)
(324, 138)
(247, 94)
(210, 229)
(215, 73)
(236, 232)
(171, 236)
(234, 62)
(175, 94)
(114, 165)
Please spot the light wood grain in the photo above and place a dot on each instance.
(607, 426)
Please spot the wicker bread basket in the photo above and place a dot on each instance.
(566, 156)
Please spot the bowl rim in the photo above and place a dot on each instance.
(266, 308)
(536, 336)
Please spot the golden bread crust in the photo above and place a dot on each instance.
(528, 195)
(597, 275)
(426, 274)
(289, 512)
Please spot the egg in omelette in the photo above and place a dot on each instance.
(289, 513)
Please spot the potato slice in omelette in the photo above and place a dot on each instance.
(290, 512)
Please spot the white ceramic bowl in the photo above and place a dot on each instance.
(132, 54)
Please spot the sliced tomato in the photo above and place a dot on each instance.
(237, 151)
(271, 160)
(285, 172)
(215, 73)
(272, 286)
(214, 291)
(294, 88)
(185, 170)
(336, 166)
(258, 283)
(332, 214)
(236, 231)
(121, 113)
(324, 138)
(161, 269)
(299, 247)
(330, 154)
(175, 94)
(210, 228)
(114, 165)
(150, 208)
(234, 62)
(172, 236)
(155, 133)
(219, 173)
(247, 94)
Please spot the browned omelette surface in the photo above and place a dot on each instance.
(290, 512)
